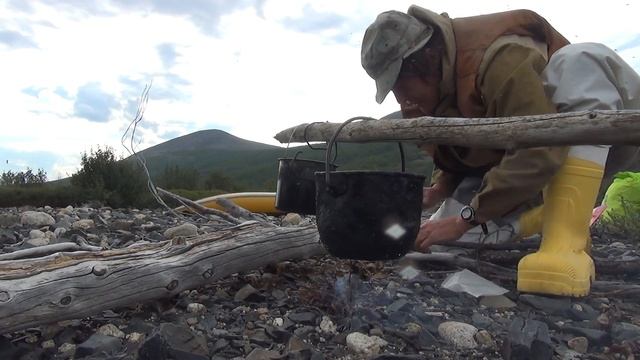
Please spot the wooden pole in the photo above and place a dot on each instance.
(606, 127)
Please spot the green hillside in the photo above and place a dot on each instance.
(253, 166)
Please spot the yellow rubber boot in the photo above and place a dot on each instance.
(562, 266)
(530, 222)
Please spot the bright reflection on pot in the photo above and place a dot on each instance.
(395, 231)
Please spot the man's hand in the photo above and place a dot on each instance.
(431, 196)
(440, 231)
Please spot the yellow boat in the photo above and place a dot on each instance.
(258, 202)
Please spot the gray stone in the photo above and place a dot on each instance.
(185, 229)
(554, 306)
(98, 344)
(8, 220)
(327, 326)
(305, 317)
(572, 355)
(154, 347)
(303, 331)
(121, 224)
(398, 305)
(365, 345)
(248, 293)
(135, 338)
(497, 302)
(484, 338)
(624, 331)
(110, 330)
(36, 219)
(291, 219)
(36, 234)
(481, 321)
(84, 224)
(41, 241)
(59, 232)
(262, 354)
(579, 344)
(459, 334)
(196, 308)
(581, 311)
(594, 336)
(527, 339)
(183, 343)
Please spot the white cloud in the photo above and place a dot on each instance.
(253, 76)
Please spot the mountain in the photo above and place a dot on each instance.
(254, 166)
(206, 140)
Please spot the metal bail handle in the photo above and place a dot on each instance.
(304, 135)
(335, 136)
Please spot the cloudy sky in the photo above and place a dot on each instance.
(71, 71)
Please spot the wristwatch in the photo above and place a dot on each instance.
(468, 214)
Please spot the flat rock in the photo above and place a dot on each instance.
(262, 354)
(555, 306)
(305, 317)
(624, 331)
(594, 336)
(248, 293)
(497, 302)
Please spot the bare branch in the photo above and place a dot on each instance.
(611, 127)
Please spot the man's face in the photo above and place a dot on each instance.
(417, 88)
(417, 96)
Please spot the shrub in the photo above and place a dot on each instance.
(623, 224)
(21, 178)
(112, 181)
(58, 196)
(175, 177)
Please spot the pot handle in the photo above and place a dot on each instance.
(333, 140)
(402, 161)
(335, 156)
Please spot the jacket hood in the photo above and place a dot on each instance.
(443, 23)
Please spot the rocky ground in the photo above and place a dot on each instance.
(318, 308)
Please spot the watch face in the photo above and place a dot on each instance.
(466, 213)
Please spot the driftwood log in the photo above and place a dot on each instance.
(610, 127)
(70, 285)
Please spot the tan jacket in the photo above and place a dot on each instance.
(491, 68)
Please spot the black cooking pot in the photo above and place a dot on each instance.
(367, 215)
(296, 186)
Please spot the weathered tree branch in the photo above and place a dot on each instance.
(237, 211)
(611, 127)
(71, 285)
(47, 250)
(199, 208)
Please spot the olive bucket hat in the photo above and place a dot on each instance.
(391, 38)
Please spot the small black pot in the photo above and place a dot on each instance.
(296, 187)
